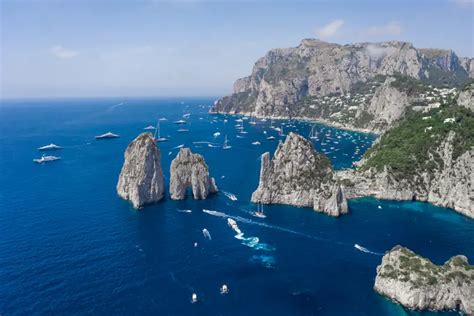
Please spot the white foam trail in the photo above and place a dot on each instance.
(231, 196)
(185, 211)
(363, 249)
(206, 234)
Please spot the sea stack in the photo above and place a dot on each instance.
(141, 179)
(190, 170)
(299, 175)
(417, 283)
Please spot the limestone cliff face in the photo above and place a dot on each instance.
(417, 283)
(298, 175)
(141, 179)
(190, 170)
(466, 97)
(284, 80)
(450, 184)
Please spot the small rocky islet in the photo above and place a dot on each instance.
(425, 150)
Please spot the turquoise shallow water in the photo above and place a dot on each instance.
(69, 245)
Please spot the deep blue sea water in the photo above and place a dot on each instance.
(70, 246)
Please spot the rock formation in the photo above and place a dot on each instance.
(323, 81)
(298, 175)
(420, 160)
(141, 178)
(190, 170)
(417, 283)
(466, 97)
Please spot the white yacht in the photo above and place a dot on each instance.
(271, 137)
(224, 289)
(256, 143)
(157, 135)
(226, 144)
(194, 298)
(180, 122)
(313, 134)
(50, 147)
(149, 128)
(46, 159)
(107, 136)
(259, 213)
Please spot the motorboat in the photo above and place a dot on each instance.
(107, 135)
(194, 298)
(50, 147)
(271, 138)
(46, 159)
(180, 122)
(149, 128)
(224, 289)
(256, 143)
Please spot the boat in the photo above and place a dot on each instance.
(187, 115)
(216, 134)
(226, 144)
(149, 128)
(256, 143)
(107, 135)
(50, 147)
(163, 119)
(313, 134)
(46, 159)
(180, 122)
(259, 213)
(183, 130)
(224, 289)
(194, 298)
(157, 135)
(253, 121)
(271, 137)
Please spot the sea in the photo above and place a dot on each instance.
(70, 246)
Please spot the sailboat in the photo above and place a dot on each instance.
(259, 213)
(157, 135)
(313, 134)
(226, 144)
(253, 121)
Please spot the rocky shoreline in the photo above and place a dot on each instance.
(417, 283)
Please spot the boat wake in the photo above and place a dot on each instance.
(231, 196)
(363, 249)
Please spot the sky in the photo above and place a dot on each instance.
(120, 48)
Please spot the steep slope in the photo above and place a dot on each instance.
(426, 157)
(322, 81)
(141, 179)
(417, 283)
(298, 175)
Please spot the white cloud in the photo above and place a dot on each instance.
(329, 30)
(391, 28)
(63, 53)
(463, 2)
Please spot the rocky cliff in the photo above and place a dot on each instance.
(141, 179)
(417, 283)
(190, 170)
(466, 97)
(428, 157)
(322, 81)
(298, 175)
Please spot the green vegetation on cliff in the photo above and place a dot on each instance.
(412, 145)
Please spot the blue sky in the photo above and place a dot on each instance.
(194, 48)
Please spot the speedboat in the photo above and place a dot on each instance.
(180, 122)
(50, 147)
(224, 289)
(194, 298)
(107, 135)
(186, 115)
(216, 134)
(271, 137)
(149, 127)
(256, 143)
(46, 159)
